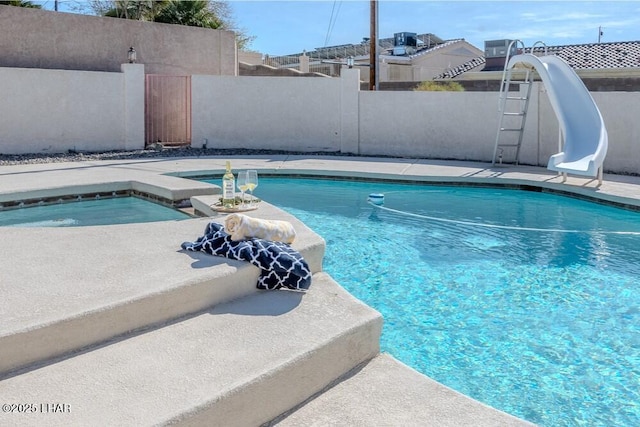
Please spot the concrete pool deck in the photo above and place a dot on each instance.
(125, 328)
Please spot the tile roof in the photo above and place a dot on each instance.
(578, 56)
(472, 64)
(436, 47)
(597, 55)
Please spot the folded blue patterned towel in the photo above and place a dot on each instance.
(280, 265)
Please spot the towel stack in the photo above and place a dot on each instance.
(243, 227)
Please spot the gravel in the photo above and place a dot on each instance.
(21, 159)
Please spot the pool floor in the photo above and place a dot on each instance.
(104, 211)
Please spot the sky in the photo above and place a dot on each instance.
(291, 26)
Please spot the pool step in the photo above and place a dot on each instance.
(241, 363)
(385, 392)
(67, 289)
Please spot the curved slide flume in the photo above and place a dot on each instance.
(584, 131)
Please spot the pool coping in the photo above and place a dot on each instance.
(163, 177)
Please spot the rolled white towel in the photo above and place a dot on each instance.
(241, 227)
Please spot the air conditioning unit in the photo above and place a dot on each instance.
(498, 48)
(405, 43)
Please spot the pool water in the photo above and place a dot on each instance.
(121, 210)
(526, 301)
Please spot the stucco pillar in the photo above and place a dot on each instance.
(304, 63)
(349, 115)
(383, 71)
(133, 106)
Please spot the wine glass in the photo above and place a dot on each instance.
(252, 182)
(242, 184)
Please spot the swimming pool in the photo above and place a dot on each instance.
(526, 301)
(105, 211)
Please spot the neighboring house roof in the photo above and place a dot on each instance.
(436, 47)
(579, 56)
(427, 40)
(423, 50)
(597, 55)
(471, 65)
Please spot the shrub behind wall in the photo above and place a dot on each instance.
(432, 86)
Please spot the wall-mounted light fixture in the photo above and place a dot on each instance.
(131, 55)
(350, 62)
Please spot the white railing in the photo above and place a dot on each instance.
(323, 60)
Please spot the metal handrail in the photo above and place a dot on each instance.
(506, 61)
(542, 43)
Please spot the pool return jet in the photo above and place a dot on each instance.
(582, 140)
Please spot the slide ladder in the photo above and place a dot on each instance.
(513, 115)
(513, 109)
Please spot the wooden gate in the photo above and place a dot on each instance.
(167, 106)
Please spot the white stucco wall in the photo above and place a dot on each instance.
(621, 114)
(59, 110)
(463, 126)
(279, 113)
(445, 125)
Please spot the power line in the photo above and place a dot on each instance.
(332, 20)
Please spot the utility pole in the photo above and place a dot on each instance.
(55, 5)
(600, 33)
(373, 41)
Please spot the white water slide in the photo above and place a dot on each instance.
(581, 124)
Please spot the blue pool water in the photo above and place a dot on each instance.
(122, 210)
(525, 301)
